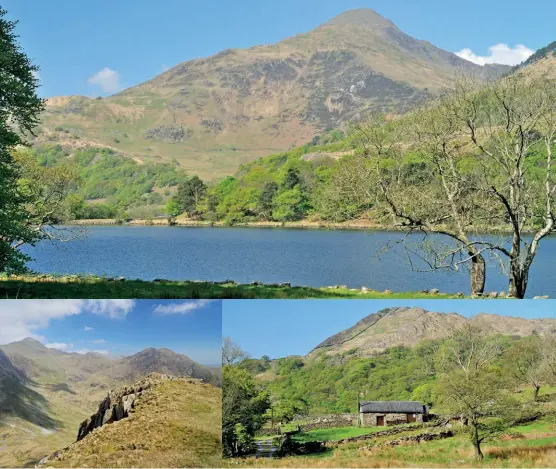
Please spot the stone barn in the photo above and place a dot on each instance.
(385, 413)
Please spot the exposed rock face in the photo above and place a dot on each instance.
(392, 327)
(118, 404)
(169, 133)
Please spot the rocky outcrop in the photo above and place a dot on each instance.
(118, 404)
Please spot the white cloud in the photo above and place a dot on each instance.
(115, 309)
(22, 318)
(88, 329)
(183, 307)
(107, 79)
(59, 346)
(498, 54)
(99, 341)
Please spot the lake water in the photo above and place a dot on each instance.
(302, 257)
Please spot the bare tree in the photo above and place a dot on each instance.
(512, 125)
(232, 353)
(417, 178)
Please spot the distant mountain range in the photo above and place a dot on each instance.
(213, 114)
(46, 393)
(407, 326)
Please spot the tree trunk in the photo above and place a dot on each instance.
(476, 442)
(519, 277)
(536, 395)
(478, 275)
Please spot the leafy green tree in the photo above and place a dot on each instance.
(19, 114)
(190, 193)
(289, 205)
(244, 402)
(473, 387)
(426, 393)
(172, 209)
(527, 363)
(266, 200)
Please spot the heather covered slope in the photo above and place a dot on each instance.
(214, 114)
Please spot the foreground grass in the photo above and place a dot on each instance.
(532, 445)
(98, 287)
(176, 425)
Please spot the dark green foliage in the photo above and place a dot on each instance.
(190, 193)
(266, 200)
(19, 113)
(243, 407)
(291, 180)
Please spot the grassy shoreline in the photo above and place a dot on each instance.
(48, 286)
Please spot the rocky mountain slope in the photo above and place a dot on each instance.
(408, 326)
(542, 64)
(45, 394)
(213, 114)
(161, 421)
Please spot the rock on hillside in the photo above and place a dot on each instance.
(215, 113)
(408, 326)
(121, 402)
(170, 422)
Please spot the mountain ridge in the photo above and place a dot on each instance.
(407, 326)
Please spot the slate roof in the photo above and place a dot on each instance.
(392, 407)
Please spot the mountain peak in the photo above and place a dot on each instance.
(365, 17)
(30, 342)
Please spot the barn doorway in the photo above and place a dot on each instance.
(411, 418)
(380, 420)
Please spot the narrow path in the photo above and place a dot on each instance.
(266, 449)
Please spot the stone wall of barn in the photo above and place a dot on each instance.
(371, 419)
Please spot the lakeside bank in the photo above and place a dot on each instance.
(76, 287)
(363, 225)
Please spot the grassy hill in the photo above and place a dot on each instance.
(175, 424)
(213, 114)
(45, 393)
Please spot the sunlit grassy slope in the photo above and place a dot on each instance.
(177, 424)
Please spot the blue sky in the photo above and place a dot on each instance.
(278, 328)
(117, 327)
(130, 41)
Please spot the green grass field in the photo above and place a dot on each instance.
(98, 287)
(334, 434)
(525, 446)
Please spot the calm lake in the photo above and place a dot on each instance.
(302, 257)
